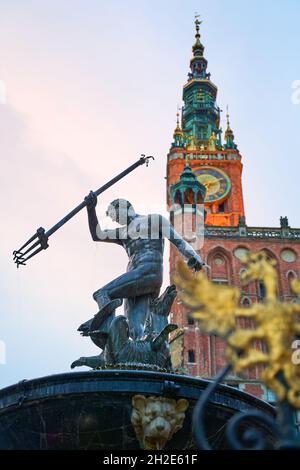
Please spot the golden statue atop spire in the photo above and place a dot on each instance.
(197, 22)
(197, 25)
(198, 63)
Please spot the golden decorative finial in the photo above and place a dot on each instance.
(227, 116)
(178, 130)
(228, 132)
(217, 308)
(177, 115)
(198, 48)
(197, 25)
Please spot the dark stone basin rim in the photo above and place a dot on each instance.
(125, 381)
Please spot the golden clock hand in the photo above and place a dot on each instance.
(207, 186)
(213, 182)
(209, 183)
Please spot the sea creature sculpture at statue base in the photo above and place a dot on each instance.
(119, 348)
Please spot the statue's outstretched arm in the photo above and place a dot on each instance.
(194, 259)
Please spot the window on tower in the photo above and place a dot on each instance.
(221, 207)
(202, 133)
(199, 198)
(291, 276)
(191, 321)
(191, 356)
(221, 282)
(178, 198)
(201, 96)
(189, 197)
(219, 262)
(261, 290)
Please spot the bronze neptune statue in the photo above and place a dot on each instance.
(140, 336)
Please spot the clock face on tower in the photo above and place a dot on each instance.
(217, 183)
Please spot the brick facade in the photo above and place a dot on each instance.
(197, 144)
(226, 267)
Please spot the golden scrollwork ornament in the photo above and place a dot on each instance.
(276, 324)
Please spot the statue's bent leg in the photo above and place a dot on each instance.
(135, 283)
(106, 304)
(137, 310)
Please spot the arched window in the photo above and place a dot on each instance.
(191, 321)
(189, 197)
(246, 288)
(219, 261)
(246, 302)
(199, 198)
(202, 133)
(269, 253)
(221, 208)
(191, 356)
(291, 275)
(261, 290)
(178, 198)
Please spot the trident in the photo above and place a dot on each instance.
(39, 241)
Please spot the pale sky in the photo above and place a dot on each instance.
(92, 84)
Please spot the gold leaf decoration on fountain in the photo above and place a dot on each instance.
(275, 323)
(213, 304)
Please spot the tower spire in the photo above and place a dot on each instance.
(178, 130)
(177, 119)
(228, 122)
(229, 136)
(227, 116)
(178, 134)
(198, 63)
(200, 113)
(198, 48)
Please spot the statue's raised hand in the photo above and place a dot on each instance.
(91, 200)
(196, 263)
